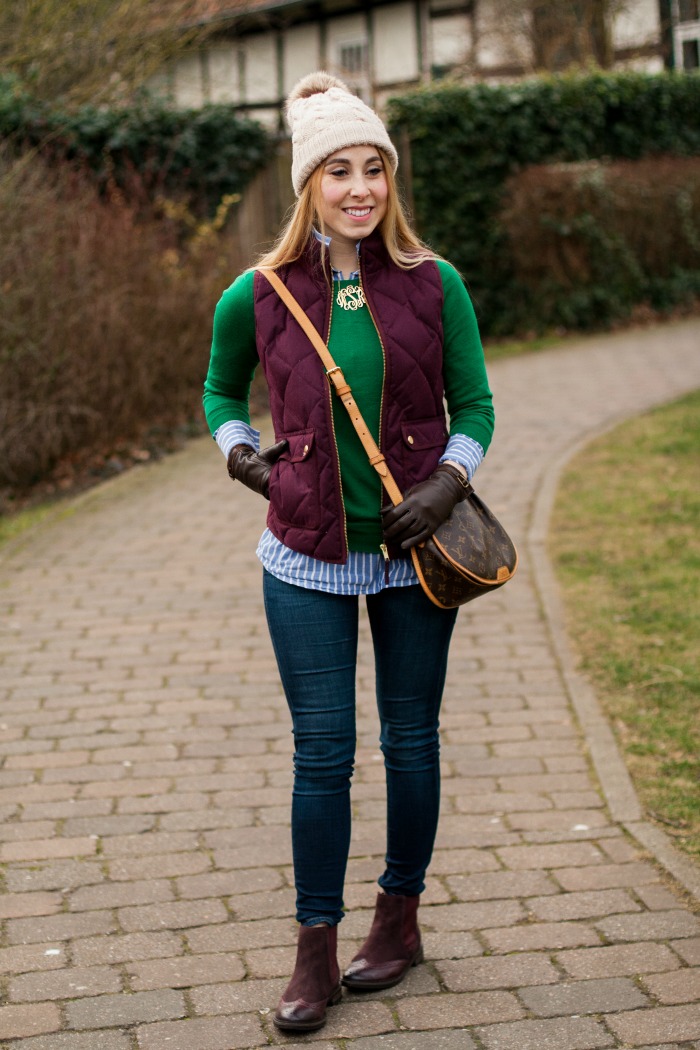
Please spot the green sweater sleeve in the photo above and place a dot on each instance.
(234, 355)
(467, 392)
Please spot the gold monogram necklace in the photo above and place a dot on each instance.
(351, 298)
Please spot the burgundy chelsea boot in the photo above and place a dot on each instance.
(315, 984)
(392, 948)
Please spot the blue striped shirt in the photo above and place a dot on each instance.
(362, 573)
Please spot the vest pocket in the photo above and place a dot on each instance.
(423, 442)
(294, 482)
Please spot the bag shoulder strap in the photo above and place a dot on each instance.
(342, 388)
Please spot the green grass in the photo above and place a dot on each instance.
(625, 540)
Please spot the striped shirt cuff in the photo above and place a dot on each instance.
(236, 432)
(465, 451)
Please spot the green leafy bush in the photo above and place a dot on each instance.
(465, 142)
(630, 228)
(144, 149)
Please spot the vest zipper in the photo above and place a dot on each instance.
(335, 440)
(382, 546)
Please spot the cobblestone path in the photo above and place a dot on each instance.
(145, 777)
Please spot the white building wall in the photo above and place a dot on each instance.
(503, 35)
(637, 24)
(224, 85)
(450, 40)
(395, 44)
(260, 58)
(188, 87)
(345, 30)
(302, 53)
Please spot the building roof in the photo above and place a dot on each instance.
(208, 11)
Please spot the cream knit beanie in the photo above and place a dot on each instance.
(324, 116)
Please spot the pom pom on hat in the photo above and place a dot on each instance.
(324, 116)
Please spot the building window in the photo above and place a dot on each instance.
(688, 10)
(686, 33)
(354, 58)
(691, 54)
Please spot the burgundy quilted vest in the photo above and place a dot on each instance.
(306, 508)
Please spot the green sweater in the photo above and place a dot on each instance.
(355, 346)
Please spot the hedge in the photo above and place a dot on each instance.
(466, 142)
(145, 148)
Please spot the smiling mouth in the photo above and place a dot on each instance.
(358, 213)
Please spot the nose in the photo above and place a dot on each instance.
(359, 187)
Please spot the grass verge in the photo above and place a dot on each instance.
(626, 547)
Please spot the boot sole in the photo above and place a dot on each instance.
(358, 985)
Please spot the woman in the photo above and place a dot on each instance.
(400, 325)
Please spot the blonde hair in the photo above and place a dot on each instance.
(404, 247)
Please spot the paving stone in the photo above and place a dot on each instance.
(649, 926)
(452, 1039)
(75, 1041)
(239, 997)
(159, 866)
(492, 885)
(688, 950)
(467, 975)
(111, 1011)
(241, 935)
(451, 1010)
(584, 905)
(679, 1023)
(461, 861)
(229, 883)
(205, 1033)
(471, 916)
(583, 997)
(185, 971)
(556, 820)
(21, 1021)
(272, 962)
(621, 851)
(606, 876)
(666, 1046)
(540, 935)
(111, 895)
(576, 1033)
(450, 945)
(23, 959)
(561, 855)
(350, 1019)
(176, 915)
(71, 983)
(59, 927)
(45, 849)
(673, 988)
(118, 948)
(19, 905)
(618, 960)
(658, 898)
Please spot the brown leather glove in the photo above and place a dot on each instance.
(424, 507)
(253, 468)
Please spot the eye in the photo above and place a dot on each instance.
(338, 173)
(375, 170)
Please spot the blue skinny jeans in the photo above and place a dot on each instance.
(314, 636)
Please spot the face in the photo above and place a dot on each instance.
(353, 194)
